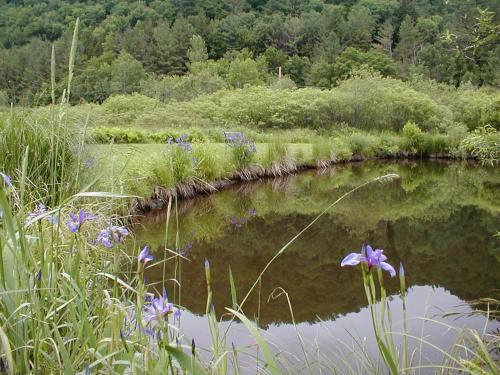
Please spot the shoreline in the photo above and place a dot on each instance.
(192, 188)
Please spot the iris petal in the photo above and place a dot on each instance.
(387, 267)
(352, 259)
(368, 252)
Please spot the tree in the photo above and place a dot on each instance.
(360, 27)
(384, 39)
(275, 58)
(297, 67)
(197, 51)
(407, 46)
(172, 44)
(352, 59)
(126, 74)
(321, 74)
(244, 72)
(479, 46)
(93, 82)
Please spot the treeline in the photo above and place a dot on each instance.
(127, 46)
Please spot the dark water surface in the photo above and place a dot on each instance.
(439, 219)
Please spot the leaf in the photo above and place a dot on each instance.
(7, 350)
(233, 289)
(254, 331)
(186, 361)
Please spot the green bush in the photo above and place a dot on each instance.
(389, 145)
(413, 138)
(484, 144)
(385, 104)
(181, 88)
(123, 110)
(119, 135)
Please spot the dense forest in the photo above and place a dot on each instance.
(149, 46)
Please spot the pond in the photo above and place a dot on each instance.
(439, 219)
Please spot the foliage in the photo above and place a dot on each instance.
(414, 138)
(454, 43)
(484, 144)
(181, 88)
(243, 72)
(46, 152)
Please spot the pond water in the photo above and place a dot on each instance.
(439, 219)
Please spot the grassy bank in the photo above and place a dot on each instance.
(185, 168)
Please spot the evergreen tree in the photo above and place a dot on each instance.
(197, 51)
(385, 39)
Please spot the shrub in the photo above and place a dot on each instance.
(483, 144)
(476, 108)
(413, 137)
(384, 104)
(119, 135)
(388, 145)
(123, 110)
(181, 88)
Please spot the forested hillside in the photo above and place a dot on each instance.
(131, 46)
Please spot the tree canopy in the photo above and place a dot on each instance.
(314, 42)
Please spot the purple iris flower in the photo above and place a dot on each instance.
(144, 255)
(75, 223)
(158, 308)
(185, 250)
(252, 212)
(370, 258)
(108, 237)
(6, 179)
(183, 143)
(39, 210)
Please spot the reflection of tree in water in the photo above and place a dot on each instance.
(441, 228)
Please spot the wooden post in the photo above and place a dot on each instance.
(279, 73)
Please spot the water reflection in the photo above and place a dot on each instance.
(439, 220)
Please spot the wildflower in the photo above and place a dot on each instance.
(370, 258)
(89, 162)
(144, 255)
(75, 223)
(239, 141)
(185, 250)
(40, 209)
(6, 179)
(238, 223)
(235, 222)
(252, 212)
(159, 308)
(111, 235)
(183, 143)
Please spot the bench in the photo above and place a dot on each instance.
(232, 137)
